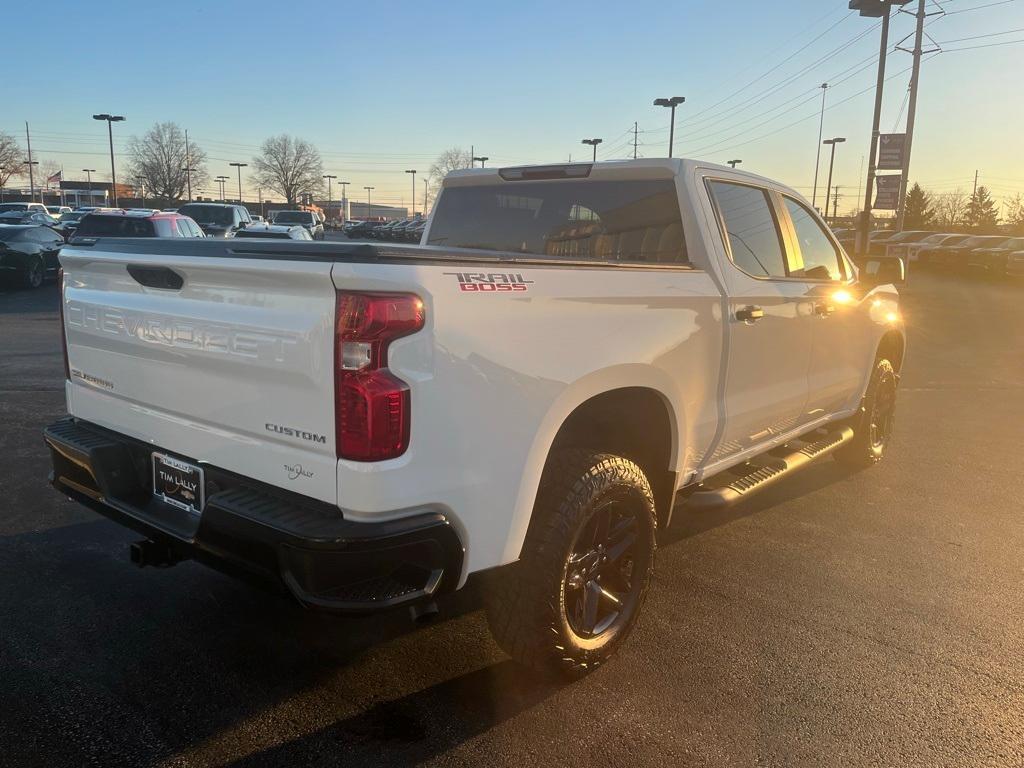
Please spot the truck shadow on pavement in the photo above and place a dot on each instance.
(150, 666)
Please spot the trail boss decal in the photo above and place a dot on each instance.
(491, 282)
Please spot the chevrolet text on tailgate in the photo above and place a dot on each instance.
(573, 350)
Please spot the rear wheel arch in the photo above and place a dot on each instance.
(636, 423)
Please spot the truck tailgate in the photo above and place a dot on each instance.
(233, 368)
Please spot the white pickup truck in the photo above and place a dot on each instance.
(574, 351)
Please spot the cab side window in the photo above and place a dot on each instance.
(754, 239)
(820, 258)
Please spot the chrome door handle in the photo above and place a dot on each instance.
(749, 314)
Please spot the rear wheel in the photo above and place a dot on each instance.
(874, 425)
(576, 592)
(34, 272)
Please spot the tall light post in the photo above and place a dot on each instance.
(344, 199)
(111, 119)
(426, 183)
(239, 166)
(483, 160)
(330, 177)
(413, 172)
(672, 103)
(817, 151)
(593, 143)
(831, 162)
(31, 178)
(369, 203)
(733, 163)
(221, 180)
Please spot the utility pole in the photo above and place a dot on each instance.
(817, 155)
(330, 177)
(974, 192)
(31, 174)
(915, 77)
(835, 202)
(635, 132)
(874, 8)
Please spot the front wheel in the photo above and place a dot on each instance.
(576, 592)
(874, 425)
(34, 272)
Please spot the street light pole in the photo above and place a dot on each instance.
(593, 143)
(426, 183)
(239, 166)
(330, 177)
(483, 160)
(817, 155)
(111, 119)
(369, 203)
(674, 102)
(831, 162)
(344, 200)
(413, 172)
(221, 180)
(733, 163)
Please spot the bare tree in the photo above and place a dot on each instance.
(158, 160)
(452, 159)
(11, 158)
(291, 167)
(951, 208)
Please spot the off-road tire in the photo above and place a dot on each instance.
(872, 429)
(530, 607)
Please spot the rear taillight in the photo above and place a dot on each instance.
(63, 331)
(371, 405)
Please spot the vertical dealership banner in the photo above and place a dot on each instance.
(887, 192)
(890, 151)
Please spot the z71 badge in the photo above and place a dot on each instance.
(491, 282)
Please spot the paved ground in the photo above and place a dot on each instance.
(865, 619)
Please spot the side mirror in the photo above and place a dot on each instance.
(883, 270)
(241, 225)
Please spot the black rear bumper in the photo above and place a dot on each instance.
(250, 528)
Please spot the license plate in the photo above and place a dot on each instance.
(178, 483)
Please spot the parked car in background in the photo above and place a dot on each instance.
(57, 210)
(414, 232)
(912, 251)
(136, 224)
(274, 232)
(1015, 264)
(217, 219)
(993, 259)
(28, 217)
(896, 244)
(28, 253)
(307, 219)
(68, 222)
(23, 207)
(957, 256)
(257, 219)
(170, 210)
(359, 229)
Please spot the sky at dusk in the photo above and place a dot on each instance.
(384, 87)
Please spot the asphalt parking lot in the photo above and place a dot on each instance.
(871, 618)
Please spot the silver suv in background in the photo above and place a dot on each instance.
(306, 219)
(217, 219)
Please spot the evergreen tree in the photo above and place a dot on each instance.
(981, 211)
(918, 211)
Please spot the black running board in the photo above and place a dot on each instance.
(736, 484)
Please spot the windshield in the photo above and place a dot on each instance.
(77, 216)
(293, 217)
(206, 215)
(983, 240)
(909, 237)
(591, 220)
